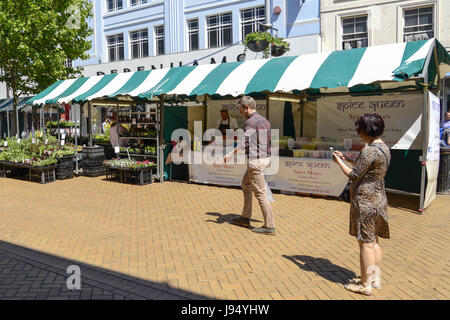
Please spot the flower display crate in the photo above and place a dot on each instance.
(139, 176)
(65, 168)
(93, 158)
(43, 175)
(108, 149)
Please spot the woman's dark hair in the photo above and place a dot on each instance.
(371, 125)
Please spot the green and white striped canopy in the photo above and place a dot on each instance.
(337, 71)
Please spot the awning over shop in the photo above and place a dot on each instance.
(7, 104)
(364, 69)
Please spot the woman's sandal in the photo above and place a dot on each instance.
(359, 288)
(375, 284)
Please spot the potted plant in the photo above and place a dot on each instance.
(278, 47)
(257, 41)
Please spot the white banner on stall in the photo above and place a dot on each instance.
(434, 118)
(336, 117)
(433, 148)
(218, 174)
(308, 175)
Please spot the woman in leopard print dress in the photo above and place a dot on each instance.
(368, 202)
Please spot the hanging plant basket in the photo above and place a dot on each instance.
(277, 51)
(258, 45)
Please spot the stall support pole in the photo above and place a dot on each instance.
(423, 159)
(76, 139)
(41, 118)
(90, 123)
(59, 133)
(205, 112)
(7, 122)
(16, 108)
(267, 106)
(161, 140)
(81, 121)
(117, 128)
(33, 116)
(44, 127)
(302, 114)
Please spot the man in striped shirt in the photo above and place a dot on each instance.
(256, 143)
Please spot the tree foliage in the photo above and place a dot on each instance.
(36, 38)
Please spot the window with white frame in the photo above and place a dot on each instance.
(113, 5)
(139, 43)
(354, 33)
(159, 40)
(193, 34)
(115, 47)
(418, 24)
(68, 63)
(137, 2)
(251, 19)
(219, 30)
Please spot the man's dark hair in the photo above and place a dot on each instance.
(371, 125)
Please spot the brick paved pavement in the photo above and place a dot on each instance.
(174, 241)
(30, 275)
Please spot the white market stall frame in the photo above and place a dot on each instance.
(377, 69)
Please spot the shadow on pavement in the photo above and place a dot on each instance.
(323, 267)
(403, 201)
(222, 218)
(27, 274)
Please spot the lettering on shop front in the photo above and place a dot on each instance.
(373, 105)
(307, 164)
(343, 106)
(232, 107)
(355, 117)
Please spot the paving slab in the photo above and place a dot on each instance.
(174, 240)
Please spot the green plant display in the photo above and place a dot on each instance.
(62, 124)
(126, 163)
(273, 41)
(34, 151)
(103, 138)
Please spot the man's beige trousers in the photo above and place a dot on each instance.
(254, 181)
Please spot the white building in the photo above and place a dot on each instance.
(347, 24)
(360, 23)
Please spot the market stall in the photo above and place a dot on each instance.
(304, 81)
(381, 71)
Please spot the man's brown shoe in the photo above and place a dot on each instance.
(264, 230)
(240, 221)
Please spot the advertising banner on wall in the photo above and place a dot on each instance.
(402, 114)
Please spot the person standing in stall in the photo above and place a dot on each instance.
(226, 122)
(257, 144)
(368, 202)
(114, 134)
(105, 125)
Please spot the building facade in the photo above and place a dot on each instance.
(132, 35)
(349, 24)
